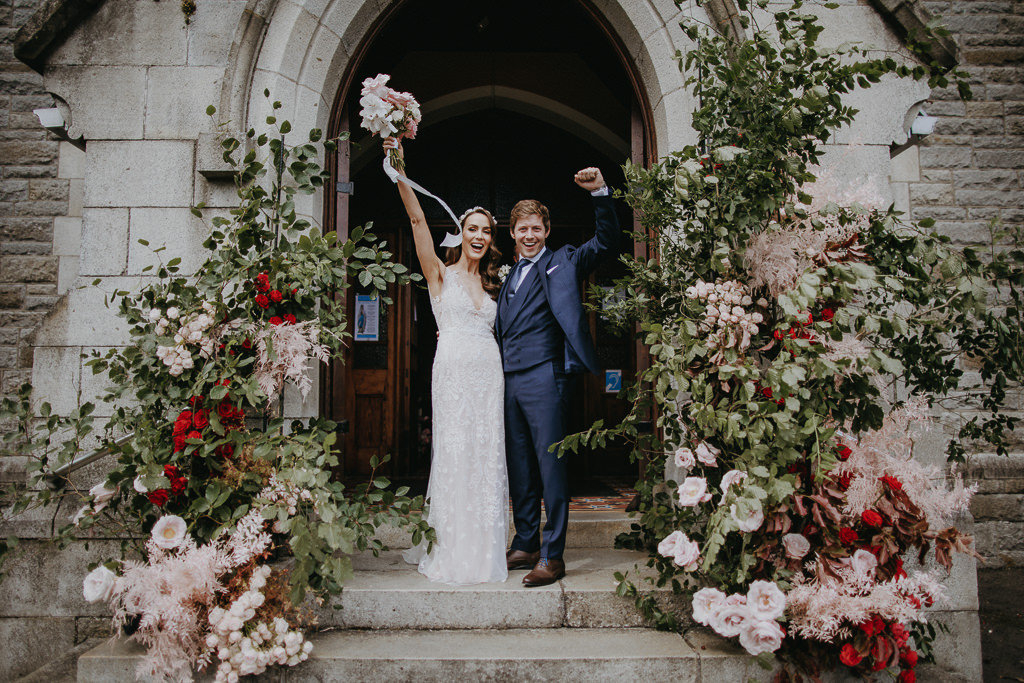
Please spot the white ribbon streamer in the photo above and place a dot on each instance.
(450, 239)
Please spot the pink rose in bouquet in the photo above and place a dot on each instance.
(388, 113)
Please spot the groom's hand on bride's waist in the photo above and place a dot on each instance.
(589, 179)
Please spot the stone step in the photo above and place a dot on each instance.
(602, 654)
(587, 529)
(387, 593)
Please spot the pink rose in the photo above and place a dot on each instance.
(747, 515)
(797, 546)
(693, 491)
(728, 621)
(706, 602)
(377, 86)
(668, 545)
(765, 600)
(687, 554)
(707, 454)
(731, 477)
(864, 563)
(757, 636)
(684, 458)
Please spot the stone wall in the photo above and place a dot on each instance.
(971, 171)
(33, 194)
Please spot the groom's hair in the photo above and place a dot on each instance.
(528, 207)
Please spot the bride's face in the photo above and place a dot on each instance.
(476, 236)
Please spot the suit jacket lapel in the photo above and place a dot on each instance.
(536, 273)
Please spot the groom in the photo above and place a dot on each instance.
(544, 339)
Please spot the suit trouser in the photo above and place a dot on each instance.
(536, 407)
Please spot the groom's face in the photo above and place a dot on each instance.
(529, 234)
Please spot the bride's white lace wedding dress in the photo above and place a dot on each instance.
(468, 488)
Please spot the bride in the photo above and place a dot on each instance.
(468, 488)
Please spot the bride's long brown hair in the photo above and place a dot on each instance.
(489, 262)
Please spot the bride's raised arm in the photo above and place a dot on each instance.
(430, 264)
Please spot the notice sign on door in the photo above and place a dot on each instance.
(367, 318)
(612, 381)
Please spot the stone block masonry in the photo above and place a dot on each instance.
(972, 172)
(37, 187)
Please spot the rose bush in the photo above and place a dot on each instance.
(204, 464)
(799, 329)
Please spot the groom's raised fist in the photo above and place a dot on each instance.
(590, 179)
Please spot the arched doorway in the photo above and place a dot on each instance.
(513, 105)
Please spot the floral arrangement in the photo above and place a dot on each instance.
(800, 332)
(242, 514)
(388, 113)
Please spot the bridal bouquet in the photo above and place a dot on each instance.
(388, 113)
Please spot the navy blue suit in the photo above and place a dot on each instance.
(544, 339)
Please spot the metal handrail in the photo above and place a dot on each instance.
(57, 479)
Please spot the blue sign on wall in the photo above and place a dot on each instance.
(612, 381)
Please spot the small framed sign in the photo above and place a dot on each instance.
(612, 381)
(367, 318)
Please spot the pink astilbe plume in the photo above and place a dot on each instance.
(888, 451)
(825, 606)
(283, 353)
(169, 594)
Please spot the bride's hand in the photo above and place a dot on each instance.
(394, 144)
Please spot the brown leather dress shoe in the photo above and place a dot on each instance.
(520, 559)
(545, 573)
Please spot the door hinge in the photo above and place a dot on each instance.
(347, 188)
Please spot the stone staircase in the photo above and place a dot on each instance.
(392, 624)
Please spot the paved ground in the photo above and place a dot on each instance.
(1001, 592)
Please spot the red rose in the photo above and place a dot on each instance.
(827, 315)
(844, 453)
(275, 320)
(171, 471)
(195, 400)
(262, 282)
(289, 318)
(247, 344)
(158, 497)
(892, 482)
(781, 402)
(181, 426)
(178, 484)
(224, 382)
(849, 655)
(262, 301)
(767, 391)
(294, 290)
(844, 481)
(907, 677)
(225, 410)
(179, 442)
(200, 419)
(195, 435)
(908, 658)
(779, 336)
(276, 296)
(225, 450)
(847, 535)
(871, 518)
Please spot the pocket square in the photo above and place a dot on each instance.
(552, 269)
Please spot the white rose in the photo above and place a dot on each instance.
(706, 602)
(684, 458)
(748, 515)
(694, 490)
(99, 584)
(169, 532)
(668, 545)
(155, 315)
(729, 619)
(687, 554)
(707, 454)
(765, 600)
(173, 312)
(759, 636)
(864, 563)
(101, 494)
(797, 546)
